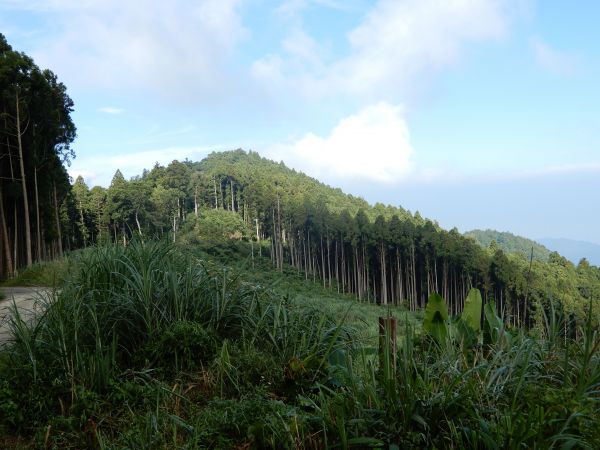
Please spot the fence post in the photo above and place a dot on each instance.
(387, 341)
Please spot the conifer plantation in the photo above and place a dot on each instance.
(234, 302)
(36, 134)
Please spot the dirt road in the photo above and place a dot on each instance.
(25, 299)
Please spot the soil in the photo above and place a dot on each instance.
(25, 299)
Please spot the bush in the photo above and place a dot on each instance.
(182, 346)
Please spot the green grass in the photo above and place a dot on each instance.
(152, 348)
(289, 283)
(45, 274)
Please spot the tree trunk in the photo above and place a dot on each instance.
(83, 230)
(174, 226)
(15, 239)
(57, 218)
(5, 239)
(232, 200)
(137, 221)
(37, 217)
(215, 188)
(24, 186)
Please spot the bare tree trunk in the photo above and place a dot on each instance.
(137, 221)
(216, 199)
(57, 218)
(280, 243)
(223, 199)
(196, 200)
(24, 186)
(232, 200)
(37, 217)
(5, 239)
(15, 241)
(174, 227)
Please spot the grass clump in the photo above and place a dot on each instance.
(148, 317)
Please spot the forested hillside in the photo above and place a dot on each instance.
(574, 250)
(509, 243)
(379, 253)
(36, 131)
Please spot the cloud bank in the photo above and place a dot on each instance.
(396, 44)
(373, 144)
(175, 49)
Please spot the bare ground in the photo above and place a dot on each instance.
(25, 299)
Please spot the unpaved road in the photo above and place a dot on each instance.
(25, 299)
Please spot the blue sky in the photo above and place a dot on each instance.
(477, 113)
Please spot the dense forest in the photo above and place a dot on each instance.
(36, 131)
(509, 243)
(380, 253)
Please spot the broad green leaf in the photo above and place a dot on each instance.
(493, 324)
(436, 316)
(471, 314)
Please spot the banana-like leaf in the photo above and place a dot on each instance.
(471, 314)
(492, 325)
(436, 317)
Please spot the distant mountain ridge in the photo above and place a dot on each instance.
(574, 250)
(510, 243)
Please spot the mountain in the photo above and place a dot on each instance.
(510, 243)
(231, 201)
(574, 250)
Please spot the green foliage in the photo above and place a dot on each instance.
(228, 363)
(436, 318)
(44, 274)
(509, 243)
(471, 314)
(181, 346)
(493, 326)
(220, 225)
(381, 254)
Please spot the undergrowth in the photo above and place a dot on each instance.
(145, 347)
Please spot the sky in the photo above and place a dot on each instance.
(476, 113)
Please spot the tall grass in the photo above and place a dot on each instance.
(147, 308)
(145, 347)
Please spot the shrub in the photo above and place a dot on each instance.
(183, 345)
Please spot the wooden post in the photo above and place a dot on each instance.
(387, 329)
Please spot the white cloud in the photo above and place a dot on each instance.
(397, 44)
(110, 110)
(552, 60)
(371, 145)
(174, 49)
(400, 40)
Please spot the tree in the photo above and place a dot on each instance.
(36, 131)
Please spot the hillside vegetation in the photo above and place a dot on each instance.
(575, 251)
(381, 254)
(150, 346)
(509, 243)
